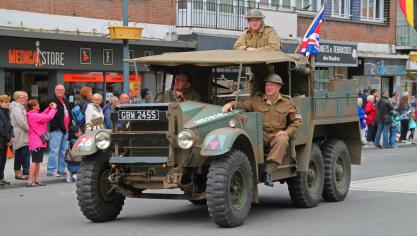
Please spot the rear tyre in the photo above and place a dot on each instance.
(93, 198)
(229, 189)
(306, 188)
(337, 166)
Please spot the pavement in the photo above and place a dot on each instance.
(14, 183)
(412, 143)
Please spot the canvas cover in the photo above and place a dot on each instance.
(218, 58)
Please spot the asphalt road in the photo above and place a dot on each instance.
(382, 201)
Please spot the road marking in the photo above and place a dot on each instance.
(402, 183)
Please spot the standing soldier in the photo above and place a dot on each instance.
(258, 36)
(281, 120)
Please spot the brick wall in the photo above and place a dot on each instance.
(144, 11)
(352, 30)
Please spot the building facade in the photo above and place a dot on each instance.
(44, 43)
(358, 37)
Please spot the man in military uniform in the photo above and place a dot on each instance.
(258, 36)
(281, 121)
(182, 90)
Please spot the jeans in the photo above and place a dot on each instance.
(392, 138)
(22, 159)
(57, 147)
(383, 129)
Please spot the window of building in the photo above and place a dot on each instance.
(341, 8)
(372, 10)
(308, 5)
(226, 6)
(285, 3)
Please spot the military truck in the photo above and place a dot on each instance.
(216, 158)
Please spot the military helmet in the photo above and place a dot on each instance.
(254, 14)
(274, 78)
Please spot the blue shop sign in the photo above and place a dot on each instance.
(385, 67)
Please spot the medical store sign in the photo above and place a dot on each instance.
(36, 56)
(337, 54)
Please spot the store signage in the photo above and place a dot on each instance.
(384, 67)
(108, 57)
(36, 57)
(98, 78)
(336, 54)
(85, 55)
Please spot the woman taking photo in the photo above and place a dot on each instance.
(6, 135)
(38, 126)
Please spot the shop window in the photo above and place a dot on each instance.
(107, 84)
(341, 9)
(372, 10)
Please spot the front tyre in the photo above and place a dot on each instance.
(337, 165)
(229, 189)
(96, 203)
(306, 188)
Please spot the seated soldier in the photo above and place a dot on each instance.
(281, 121)
(182, 90)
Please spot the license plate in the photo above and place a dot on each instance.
(139, 115)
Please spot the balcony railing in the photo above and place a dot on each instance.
(212, 15)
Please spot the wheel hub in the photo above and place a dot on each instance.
(312, 175)
(237, 189)
(104, 186)
(339, 170)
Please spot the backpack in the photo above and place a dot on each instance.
(78, 115)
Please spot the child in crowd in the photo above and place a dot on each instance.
(73, 163)
(395, 127)
(412, 124)
(362, 121)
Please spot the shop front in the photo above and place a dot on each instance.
(382, 74)
(411, 78)
(333, 61)
(37, 64)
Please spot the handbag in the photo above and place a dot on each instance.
(45, 137)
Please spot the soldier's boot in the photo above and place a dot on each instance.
(269, 168)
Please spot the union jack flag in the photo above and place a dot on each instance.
(311, 41)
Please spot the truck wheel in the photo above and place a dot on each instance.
(306, 188)
(337, 170)
(92, 190)
(229, 189)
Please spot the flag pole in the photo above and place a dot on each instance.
(299, 45)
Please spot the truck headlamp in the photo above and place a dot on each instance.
(185, 139)
(103, 140)
(232, 123)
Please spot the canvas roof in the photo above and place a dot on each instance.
(218, 58)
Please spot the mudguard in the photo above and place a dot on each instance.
(220, 141)
(86, 143)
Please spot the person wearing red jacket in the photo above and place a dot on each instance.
(370, 111)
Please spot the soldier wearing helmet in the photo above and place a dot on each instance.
(281, 120)
(258, 36)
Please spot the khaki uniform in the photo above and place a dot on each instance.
(265, 39)
(188, 94)
(279, 115)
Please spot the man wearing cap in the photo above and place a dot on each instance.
(183, 90)
(258, 36)
(281, 121)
